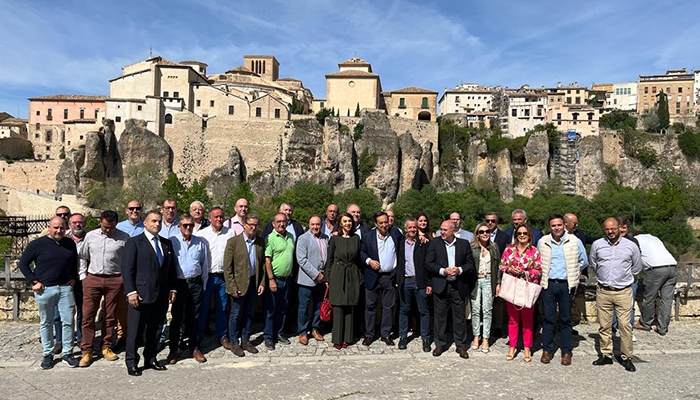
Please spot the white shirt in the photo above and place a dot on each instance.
(654, 253)
(216, 242)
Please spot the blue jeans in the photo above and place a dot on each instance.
(51, 299)
(407, 294)
(276, 308)
(242, 308)
(482, 301)
(635, 285)
(306, 294)
(216, 286)
(78, 296)
(557, 295)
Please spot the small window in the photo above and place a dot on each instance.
(514, 112)
(646, 90)
(37, 135)
(168, 118)
(48, 148)
(81, 137)
(176, 95)
(38, 113)
(166, 94)
(456, 99)
(526, 112)
(402, 102)
(277, 112)
(211, 103)
(578, 100)
(96, 112)
(258, 112)
(323, 104)
(82, 113)
(558, 115)
(65, 113)
(117, 119)
(680, 89)
(574, 116)
(424, 103)
(653, 89)
(139, 108)
(204, 124)
(199, 103)
(230, 110)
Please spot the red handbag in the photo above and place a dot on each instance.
(326, 308)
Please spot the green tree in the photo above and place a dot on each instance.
(144, 183)
(365, 198)
(308, 199)
(366, 164)
(29, 151)
(662, 111)
(413, 202)
(296, 107)
(357, 110)
(322, 114)
(617, 119)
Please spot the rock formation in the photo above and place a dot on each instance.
(230, 174)
(137, 145)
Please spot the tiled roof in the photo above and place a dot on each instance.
(414, 89)
(241, 69)
(289, 79)
(354, 61)
(13, 121)
(76, 97)
(4, 115)
(352, 72)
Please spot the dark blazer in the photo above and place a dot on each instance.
(369, 249)
(536, 235)
(585, 238)
(502, 240)
(142, 273)
(419, 252)
(437, 258)
(298, 230)
(237, 264)
(364, 228)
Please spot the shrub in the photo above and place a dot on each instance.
(366, 164)
(358, 131)
(689, 144)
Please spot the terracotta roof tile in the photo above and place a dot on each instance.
(413, 89)
(352, 72)
(78, 97)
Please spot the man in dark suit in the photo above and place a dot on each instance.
(360, 227)
(519, 217)
(451, 267)
(149, 272)
(378, 251)
(497, 236)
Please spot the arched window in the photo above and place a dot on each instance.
(168, 119)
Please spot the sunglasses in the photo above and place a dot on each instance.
(188, 226)
(481, 232)
(523, 234)
(134, 208)
(63, 215)
(491, 221)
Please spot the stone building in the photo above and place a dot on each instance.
(12, 127)
(412, 103)
(470, 100)
(623, 96)
(353, 86)
(678, 85)
(59, 122)
(568, 108)
(520, 110)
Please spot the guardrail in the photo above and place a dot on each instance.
(8, 277)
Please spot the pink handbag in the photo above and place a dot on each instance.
(519, 292)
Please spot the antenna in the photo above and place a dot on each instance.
(150, 52)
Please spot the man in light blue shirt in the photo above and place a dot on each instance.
(132, 225)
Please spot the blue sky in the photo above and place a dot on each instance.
(61, 47)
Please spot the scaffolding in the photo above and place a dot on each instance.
(565, 158)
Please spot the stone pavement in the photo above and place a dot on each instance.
(666, 368)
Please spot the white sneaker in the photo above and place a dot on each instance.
(634, 338)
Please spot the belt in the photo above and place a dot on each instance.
(663, 266)
(105, 275)
(558, 280)
(281, 278)
(613, 288)
(221, 274)
(480, 276)
(197, 278)
(413, 278)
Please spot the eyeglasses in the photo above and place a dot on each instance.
(522, 234)
(280, 221)
(188, 226)
(134, 208)
(169, 207)
(252, 225)
(63, 215)
(490, 221)
(481, 232)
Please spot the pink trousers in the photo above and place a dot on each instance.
(514, 318)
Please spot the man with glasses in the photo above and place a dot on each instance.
(192, 276)
(497, 235)
(169, 211)
(279, 262)
(215, 236)
(237, 222)
(519, 217)
(571, 226)
(244, 263)
(100, 273)
(460, 233)
(616, 260)
(197, 214)
(132, 225)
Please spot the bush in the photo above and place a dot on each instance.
(322, 114)
(358, 131)
(365, 198)
(617, 119)
(366, 164)
(689, 144)
(308, 199)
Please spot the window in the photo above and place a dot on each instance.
(323, 104)
(37, 135)
(166, 94)
(526, 112)
(199, 103)
(590, 116)
(49, 136)
(230, 110)
(38, 113)
(117, 119)
(558, 115)
(668, 89)
(82, 113)
(578, 91)
(211, 103)
(514, 112)
(168, 118)
(49, 116)
(277, 112)
(646, 90)
(65, 113)
(578, 100)
(204, 124)
(574, 116)
(96, 112)
(456, 99)
(680, 89)
(678, 105)
(81, 137)
(139, 108)
(402, 102)
(568, 100)
(653, 89)
(176, 94)
(258, 112)
(424, 103)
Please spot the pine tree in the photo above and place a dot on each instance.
(357, 110)
(662, 111)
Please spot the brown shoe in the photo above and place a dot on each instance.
(547, 357)
(109, 355)
(198, 356)
(463, 353)
(237, 350)
(85, 360)
(317, 335)
(247, 346)
(437, 352)
(173, 358)
(303, 339)
(226, 343)
(566, 359)
(641, 327)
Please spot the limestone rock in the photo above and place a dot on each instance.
(504, 175)
(590, 170)
(412, 175)
(380, 141)
(137, 145)
(536, 158)
(67, 178)
(302, 156)
(225, 177)
(102, 159)
(478, 164)
(338, 157)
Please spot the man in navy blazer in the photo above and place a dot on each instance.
(378, 251)
(149, 273)
(451, 268)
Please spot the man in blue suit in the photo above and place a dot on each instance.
(378, 251)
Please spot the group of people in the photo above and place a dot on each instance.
(138, 266)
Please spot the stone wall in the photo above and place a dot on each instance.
(13, 147)
(30, 175)
(19, 202)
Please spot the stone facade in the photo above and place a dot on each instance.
(678, 85)
(412, 103)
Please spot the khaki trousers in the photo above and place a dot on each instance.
(621, 302)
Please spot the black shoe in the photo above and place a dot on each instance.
(387, 341)
(269, 344)
(133, 371)
(574, 332)
(602, 360)
(628, 365)
(47, 362)
(426, 346)
(283, 339)
(154, 364)
(402, 343)
(366, 341)
(70, 361)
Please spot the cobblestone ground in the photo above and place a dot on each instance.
(666, 368)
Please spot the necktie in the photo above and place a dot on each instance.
(159, 254)
(251, 257)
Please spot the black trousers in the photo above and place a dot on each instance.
(443, 302)
(186, 307)
(145, 318)
(385, 290)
